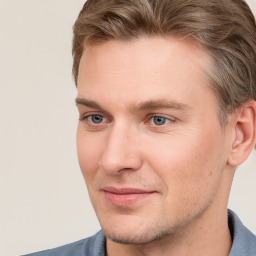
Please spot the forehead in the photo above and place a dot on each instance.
(143, 69)
(148, 52)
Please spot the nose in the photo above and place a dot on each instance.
(121, 152)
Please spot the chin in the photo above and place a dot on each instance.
(136, 238)
(135, 233)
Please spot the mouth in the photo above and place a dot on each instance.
(126, 196)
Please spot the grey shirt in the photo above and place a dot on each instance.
(244, 243)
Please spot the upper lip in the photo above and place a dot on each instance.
(123, 191)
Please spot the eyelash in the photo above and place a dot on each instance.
(151, 117)
(84, 117)
(159, 116)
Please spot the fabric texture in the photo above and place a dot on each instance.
(244, 243)
(91, 246)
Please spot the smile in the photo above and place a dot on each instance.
(125, 196)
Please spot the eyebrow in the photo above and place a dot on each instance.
(88, 103)
(161, 103)
(141, 106)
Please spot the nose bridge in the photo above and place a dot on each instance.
(120, 152)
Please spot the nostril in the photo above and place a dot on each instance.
(125, 169)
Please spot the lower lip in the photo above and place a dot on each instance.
(125, 199)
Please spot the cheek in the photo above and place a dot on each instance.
(89, 151)
(188, 168)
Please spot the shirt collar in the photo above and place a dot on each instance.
(244, 241)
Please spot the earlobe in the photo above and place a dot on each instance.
(245, 133)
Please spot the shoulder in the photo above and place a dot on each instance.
(93, 246)
(244, 241)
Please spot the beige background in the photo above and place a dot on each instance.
(43, 200)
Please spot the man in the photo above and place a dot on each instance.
(167, 107)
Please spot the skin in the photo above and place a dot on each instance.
(148, 120)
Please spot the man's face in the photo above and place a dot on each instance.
(150, 144)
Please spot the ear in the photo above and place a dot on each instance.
(244, 138)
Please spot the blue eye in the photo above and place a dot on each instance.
(159, 120)
(96, 119)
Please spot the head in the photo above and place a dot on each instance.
(164, 88)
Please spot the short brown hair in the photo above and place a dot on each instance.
(226, 28)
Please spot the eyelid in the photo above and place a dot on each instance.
(160, 128)
(82, 109)
(172, 119)
(90, 118)
(91, 113)
(153, 120)
(107, 119)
